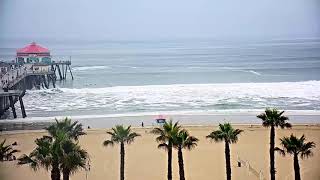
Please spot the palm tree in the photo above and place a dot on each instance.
(229, 135)
(122, 135)
(72, 129)
(58, 151)
(183, 140)
(166, 135)
(296, 146)
(73, 158)
(46, 154)
(6, 151)
(273, 118)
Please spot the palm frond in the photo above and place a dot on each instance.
(25, 159)
(216, 136)
(157, 131)
(190, 142)
(274, 117)
(131, 137)
(108, 143)
(163, 146)
(121, 134)
(285, 125)
(183, 139)
(225, 133)
(306, 149)
(294, 145)
(72, 129)
(73, 157)
(6, 151)
(280, 151)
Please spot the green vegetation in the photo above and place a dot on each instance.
(6, 151)
(59, 151)
(121, 135)
(273, 118)
(166, 135)
(296, 146)
(183, 140)
(228, 135)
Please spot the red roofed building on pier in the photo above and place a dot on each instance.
(33, 53)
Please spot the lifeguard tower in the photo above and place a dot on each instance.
(160, 120)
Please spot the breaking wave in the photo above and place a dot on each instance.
(253, 72)
(177, 97)
(85, 68)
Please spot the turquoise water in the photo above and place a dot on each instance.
(121, 77)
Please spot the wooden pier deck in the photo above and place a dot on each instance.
(14, 76)
(10, 93)
(14, 82)
(8, 98)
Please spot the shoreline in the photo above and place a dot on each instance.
(232, 112)
(186, 118)
(149, 121)
(187, 126)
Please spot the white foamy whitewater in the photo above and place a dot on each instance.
(179, 97)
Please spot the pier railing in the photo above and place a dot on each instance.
(55, 62)
(13, 76)
(19, 77)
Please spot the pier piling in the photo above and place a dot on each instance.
(70, 72)
(23, 111)
(12, 107)
(59, 71)
(45, 81)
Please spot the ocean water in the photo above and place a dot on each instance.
(158, 77)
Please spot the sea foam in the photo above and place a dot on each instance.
(177, 97)
(85, 68)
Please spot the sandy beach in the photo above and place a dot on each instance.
(135, 119)
(144, 161)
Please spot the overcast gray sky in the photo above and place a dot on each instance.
(153, 19)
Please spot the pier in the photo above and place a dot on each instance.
(33, 69)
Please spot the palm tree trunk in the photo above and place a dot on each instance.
(271, 151)
(55, 171)
(122, 153)
(181, 165)
(169, 161)
(296, 167)
(66, 174)
(227, 156)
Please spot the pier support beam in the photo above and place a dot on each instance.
(62, 70)
(65, 72)
(48, 78)
(70, 72)
(59, 71)
(45, 82)
(23, 111)
(53, 81)
(12, 107)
